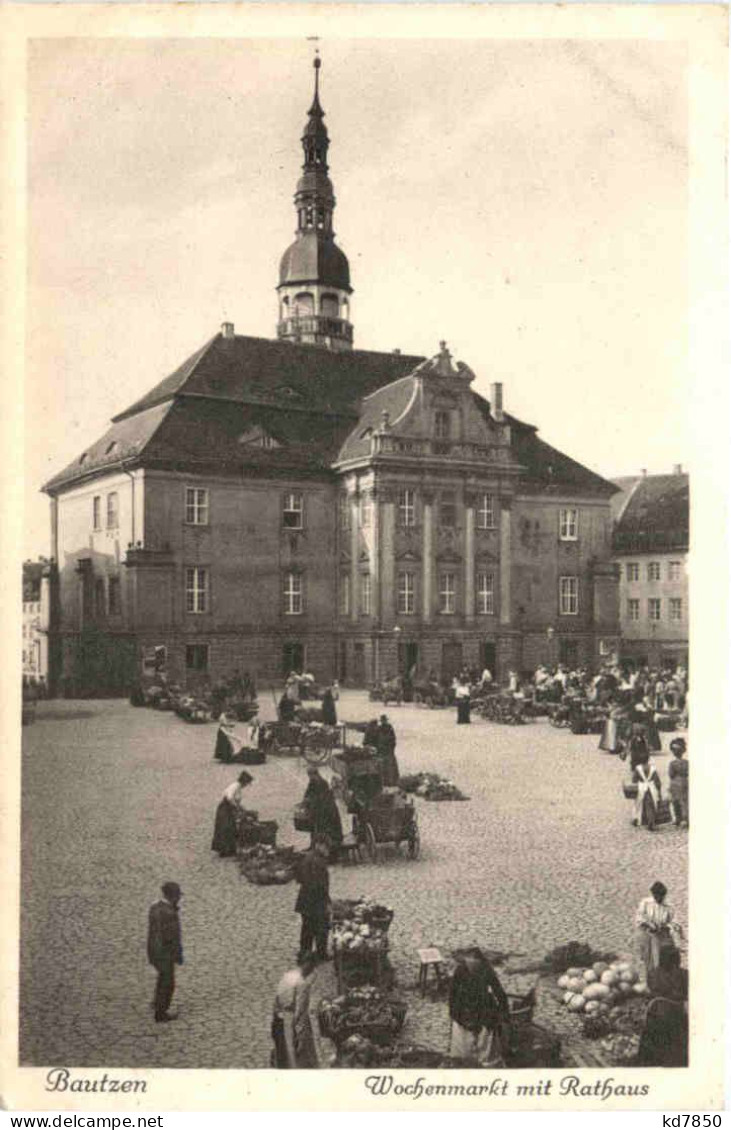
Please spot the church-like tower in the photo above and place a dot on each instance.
(314, 275)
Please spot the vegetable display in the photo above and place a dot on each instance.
(365, 1012)
(264, 865)
(596, 989)
(431, 786)
(360, 927)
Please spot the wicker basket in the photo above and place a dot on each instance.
(303, 818)
(630, 790)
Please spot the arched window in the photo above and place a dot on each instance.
(304, 304)
(330, 306)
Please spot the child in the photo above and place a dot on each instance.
(678, 774)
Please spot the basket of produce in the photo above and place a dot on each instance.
(303, 818)
(265, 865)
(361, 912)
(364, 1011)
(629, 788)
(267, 831)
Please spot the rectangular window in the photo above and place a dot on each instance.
(653, 570)
(653, 608)
(112, 511)
(442, 425)
(447, 593)
(196, 656)
(486, 512)
(345, 594)
(676, 608)
(97, 511)
(406, 597)
(99, 603)
(292, 594)
(407, 507)
(674, 570)
(633, 609)
(568, 524)
(568, 596)
(293, 511)
(196, 506)
(365, 594)
(485, 594)
(365, 509)
(633, 571)
(196, 589)
(114, 596)
(447, 509)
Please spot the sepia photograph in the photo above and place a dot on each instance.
(357, 693)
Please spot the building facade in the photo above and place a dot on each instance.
(650, 543)
(36, 619)
(272, 504)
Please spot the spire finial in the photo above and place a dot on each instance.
(317, 63)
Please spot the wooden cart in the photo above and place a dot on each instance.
(380, 815)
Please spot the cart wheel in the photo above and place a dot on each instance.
(315, 755)
(369, 842)
(414, 845)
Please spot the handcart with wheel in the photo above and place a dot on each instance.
(380, 815)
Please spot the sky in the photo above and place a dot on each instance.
(524, 200)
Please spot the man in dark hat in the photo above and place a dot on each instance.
(165, 948)
(313, 899)
(386, 746)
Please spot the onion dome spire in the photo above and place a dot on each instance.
(314, 274)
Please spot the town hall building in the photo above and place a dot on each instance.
(274, 504)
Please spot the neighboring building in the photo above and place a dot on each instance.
(650, 544)
(276, 503)
(36, 618)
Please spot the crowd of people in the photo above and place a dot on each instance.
(478, 1006)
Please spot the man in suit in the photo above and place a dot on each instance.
(313, 900)
(164, 948)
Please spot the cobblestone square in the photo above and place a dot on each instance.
(115, 800)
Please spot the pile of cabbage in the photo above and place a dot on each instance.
(431, 786)
(598, 989)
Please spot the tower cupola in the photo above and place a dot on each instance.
(314, 274)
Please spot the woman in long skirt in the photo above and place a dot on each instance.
(646, 777)
(656, 928)
(224, 750)
(225, 839)
(462, 698)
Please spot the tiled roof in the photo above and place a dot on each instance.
(314, 402)
(257, 369)
(125, 440)
(394, 399)
(548, 470)
(655, 516)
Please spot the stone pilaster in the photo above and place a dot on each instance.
(427, 563)
(505, 559)
(470, 503)
(354, 555)
(387, 540)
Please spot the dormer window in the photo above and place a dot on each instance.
(83, 458)
(442, 424)
(112, 447)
